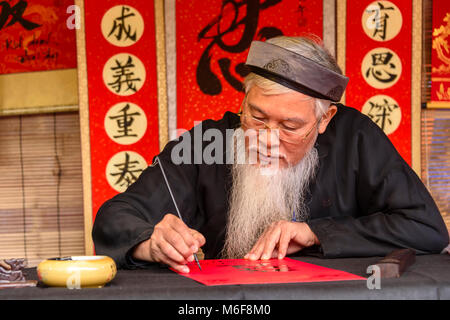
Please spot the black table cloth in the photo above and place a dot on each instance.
(427, 278)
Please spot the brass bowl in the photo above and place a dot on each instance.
(77, 271)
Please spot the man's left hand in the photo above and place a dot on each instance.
(282, 238)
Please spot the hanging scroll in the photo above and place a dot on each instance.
(122, 94)
(212, 43)
(378, 63)
(34, 36)
(38, 57)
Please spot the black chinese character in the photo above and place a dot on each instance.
(209, 82)
(121, 28)
(125, 121)
(124, 75)
(380, 113)
(16, 13)
(381, 67)
(380, 19)
(128, 173)
(301, 20)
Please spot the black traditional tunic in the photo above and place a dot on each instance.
(365, 200)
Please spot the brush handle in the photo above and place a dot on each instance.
(174, 202)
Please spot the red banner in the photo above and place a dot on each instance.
(440, 57)
(212, 46)
(378, 63)
(34, 36)
(122, 88)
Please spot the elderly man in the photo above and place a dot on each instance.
(326, 179)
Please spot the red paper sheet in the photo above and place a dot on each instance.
(241, 271)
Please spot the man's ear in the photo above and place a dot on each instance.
(326, 118)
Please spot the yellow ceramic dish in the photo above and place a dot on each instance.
(77, 272)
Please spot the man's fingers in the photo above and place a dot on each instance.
(275, 242)
(177, 241)
(199, 237)
(174, 243)
(270, 242)
(176, 266)
(180, 227)
(171, 253)
(274, 253)
(192, 238)
(256, 251)
(283, 244)
(181, 268)
(177, 233)
(164, 253)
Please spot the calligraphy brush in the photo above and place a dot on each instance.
(174, 202)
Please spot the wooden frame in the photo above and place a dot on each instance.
(84, 131)
(438, 105)
(329, 25)
(341, 17)
(161, 73)
(46, 92)
(416, 85)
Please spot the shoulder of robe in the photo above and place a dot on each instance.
(351, 132)
(361, 135)
(350, 122)
(344, 127)
(350, 116)
(229, 120)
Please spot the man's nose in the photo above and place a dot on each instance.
(269, 140)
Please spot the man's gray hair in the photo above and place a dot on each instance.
(310, 47)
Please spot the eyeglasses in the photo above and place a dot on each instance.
(293, 136)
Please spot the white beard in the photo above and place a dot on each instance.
(258, 199)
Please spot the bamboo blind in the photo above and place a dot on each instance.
(435, 129)
(41, 200)
(436, 157)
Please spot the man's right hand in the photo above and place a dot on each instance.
(172, 243)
